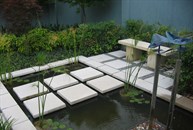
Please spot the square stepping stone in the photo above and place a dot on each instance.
(93, 63)
(77, 93)
(144, 85)
(134, 71)
(105, 84)
(86, 74)
(101, 58)
(52, 103)
(118, 54)
(117, 64)
(30, 90)
(164, 82)
(6, 101)
(60, 81)
(108, 70)
(123, 76)
(15, 113)
(26, 125)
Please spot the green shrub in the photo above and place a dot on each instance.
(7, 42)
(98, 38)
(38, 39)
(138, 30)
(186, 82)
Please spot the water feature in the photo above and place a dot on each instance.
(106, 112)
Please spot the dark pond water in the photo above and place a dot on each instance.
(109, 111)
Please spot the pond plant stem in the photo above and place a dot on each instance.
(174, 92)
(154, 93)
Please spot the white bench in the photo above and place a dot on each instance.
(134, 50)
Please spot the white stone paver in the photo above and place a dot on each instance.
(30, 90)
(93, 63)
(144, 85)
(3, 90)
(86, 74)
(77, 93)
(105, 84)
(185, 103)
(123, 76)
(58, 63)
(164, 82)
(6, 101)
(83, 59)
(60, 81)
(118, 54)
(41, 68)
(22, 72)
(52, 103)
(165, 94)
(107, 69)
(101, 58)
(15, 113)
(117, 64)
(26, 125)
(134, 71)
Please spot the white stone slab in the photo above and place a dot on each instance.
(93, 63)
(22, 72)
(15, 113)
(60, 81)
(163, 81)
(86, 74)
(108, 70)
(3, 90)
(185, 103)
(117, 64)
(105, 84)
(101, 58)
(77, 93)
(82, 59)
(58, 63)
(123, 76)
(165, 94)
(26, 125)
(29, 90)
(6, 101)
(134, 71)
(41, 68)
(144, 85)
(52, 103)
(118, 54)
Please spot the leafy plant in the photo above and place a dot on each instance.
(52, 125)
(5, 124)
(7, 42)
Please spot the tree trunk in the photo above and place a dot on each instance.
(83, 13)
(154, 93)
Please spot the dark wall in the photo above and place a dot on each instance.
(175, 13)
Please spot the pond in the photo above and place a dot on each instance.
(106, 111)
